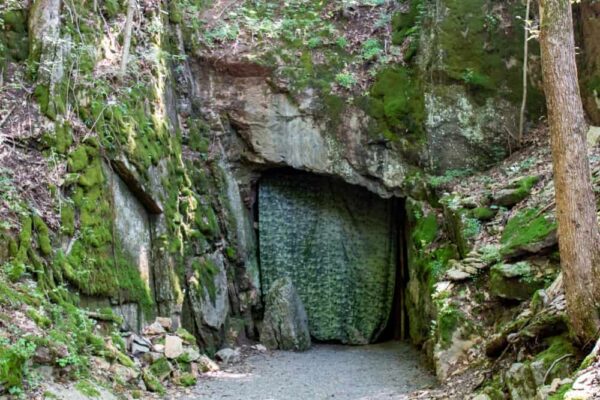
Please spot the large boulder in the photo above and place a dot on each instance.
(285, 325)
(515, 281)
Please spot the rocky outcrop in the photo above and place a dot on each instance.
(285, 325)
(337, 244)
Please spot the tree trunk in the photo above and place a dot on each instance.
(590, 24)
(127, 37)
(579, 238)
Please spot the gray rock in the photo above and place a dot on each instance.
(520, 382)
(457, 275)
(228, 356)
(516, 281)
(285, 325)
(138, 345)
(206, 364)
(173, 346)
(154, 329)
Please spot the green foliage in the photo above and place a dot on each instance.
(187, 379)
(447, 321)
(425, 230)
(371, 49)
(87, 388)
(345, 80)
(13, 361)
(483, 213)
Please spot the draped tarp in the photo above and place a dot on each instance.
(337, 242)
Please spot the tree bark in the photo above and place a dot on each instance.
(127, 37)
(579, 238)
(590, 24)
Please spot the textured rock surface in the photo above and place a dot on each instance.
(285, 325)
(337, 244)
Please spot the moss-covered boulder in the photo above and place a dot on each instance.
(517, 281)
(337, 244)
(528, 231)
(285, 325)
(515, 192)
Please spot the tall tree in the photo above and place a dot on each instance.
(579, 237)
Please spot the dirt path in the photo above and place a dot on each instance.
(381, 371)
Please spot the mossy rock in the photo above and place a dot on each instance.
(516, 193)
(517, 281)
(483, 213)
(152, 383)
(528, 231)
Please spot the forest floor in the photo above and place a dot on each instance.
(388, 371)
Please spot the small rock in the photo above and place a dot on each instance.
(43, 355)
(99, 364)
(173, 346)
(165, 322)
(457, 275)
(138, 345)
(482, 397)
(192, 353)
(206, 364)
(159, 348)
(259, 347)
(228, 356)
(125, 373)
(154, 329)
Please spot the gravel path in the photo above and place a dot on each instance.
(374, 372)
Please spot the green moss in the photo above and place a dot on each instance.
(560, 393)
(207, 221)
(483, 213)
(43, 235)
(186, 379)
(78, 159)
(152, 383)
(63, 137)
(13, 362)
(24, 239)
(112, 7)
(205, 271)
(396, 102)
(14, 42)
(186, 336)
(448, 319)
(526, 227)
(67, 219)
(425, 230)
(87, 388)
(161, 368)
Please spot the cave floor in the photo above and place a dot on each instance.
(327, 371)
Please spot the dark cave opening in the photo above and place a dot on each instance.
(344, 248)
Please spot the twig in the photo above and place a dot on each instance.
(553, 364)
(543, 210)
(7, 115)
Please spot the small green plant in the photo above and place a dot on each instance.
(314, 42)
(371, 49)
(345, 79)
(342, 42)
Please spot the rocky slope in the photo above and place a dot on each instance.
(130, 197)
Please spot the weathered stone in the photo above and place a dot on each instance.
(191, 353)
(206, 364)
(127, 374)
(285, 324)
(445, 357)
(339, 254)
(166, 323)
(154, 329)
(211, 301)
(457, 275)
(138, 345)
(173, 346)
(520, 382)
(515, 281)
(228, 356)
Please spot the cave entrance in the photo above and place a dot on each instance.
(343, 247)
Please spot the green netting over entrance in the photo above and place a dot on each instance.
(338, 244)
